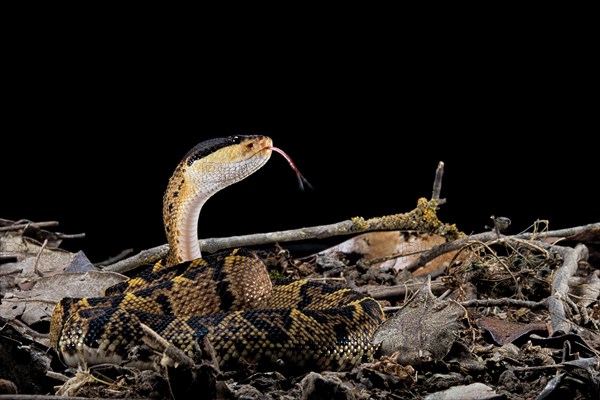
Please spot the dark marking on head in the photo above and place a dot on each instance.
(170, 210)
(207, 147)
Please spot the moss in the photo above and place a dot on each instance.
(423, 218)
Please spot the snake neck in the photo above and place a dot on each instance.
(182, 204)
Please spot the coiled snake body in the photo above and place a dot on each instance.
(226, 298)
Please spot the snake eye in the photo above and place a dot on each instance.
(236, 139)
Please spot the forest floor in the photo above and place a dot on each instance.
(480, 316)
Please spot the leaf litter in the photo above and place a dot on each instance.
(504, 317)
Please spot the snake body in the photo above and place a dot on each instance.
(225, 298)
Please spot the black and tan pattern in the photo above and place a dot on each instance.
(226, 298)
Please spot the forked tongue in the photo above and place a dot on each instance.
(302, 182)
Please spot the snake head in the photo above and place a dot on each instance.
(206, 169)
(217, 163)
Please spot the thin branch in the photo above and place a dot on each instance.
(114, 259)
(444, 248)
(14, 272)
(437, 184)
(171, 354)
(16, 227)
(560, 286)
(559, 232)
(384, 292)
(37, 258)
(44, 397)
(57, 376)
(504, 302)
(423, 218)
(70, 236)
(7, 258)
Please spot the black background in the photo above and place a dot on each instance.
(91, 140)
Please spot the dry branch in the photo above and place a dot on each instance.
(504, 302)
(386, 292)
(16, 227)
(444, 248)
(45, 397)
(560, 286)
(437, 184)
(114, 259)
(422, 218)
(171, 354)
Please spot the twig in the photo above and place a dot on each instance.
(114, 259)
(437, 184)
(444, 248)
(504, 302)
(16, 227)
(6, 258)
(44, 397)
(13, 272)
(423, 218)
(37, 259)
(560, 286)
(171, 354)
(57, 376)
(70, 236)
(559, 233)
(24, 329)
(384, 292)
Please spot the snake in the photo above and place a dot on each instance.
(227, 298)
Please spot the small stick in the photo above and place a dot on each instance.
(560, 286)
(37, 259)
(423, 218)
(14, 272)
(16, 227)
(560, 232)
(504, 302)
(437, 184)
(57, 376)
(45, 397)
(385, 292)
(444, 248)
(70, 236)
(114, 259)
(157, 342)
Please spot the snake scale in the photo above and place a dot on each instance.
(226, 298)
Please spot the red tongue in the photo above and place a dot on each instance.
(302, 182)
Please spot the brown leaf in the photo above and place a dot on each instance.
(391, 249)
(504, 332)
(38, 303)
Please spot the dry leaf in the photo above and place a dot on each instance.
(423, 330)
(38, 303)
(504, 332)
(405, 247)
